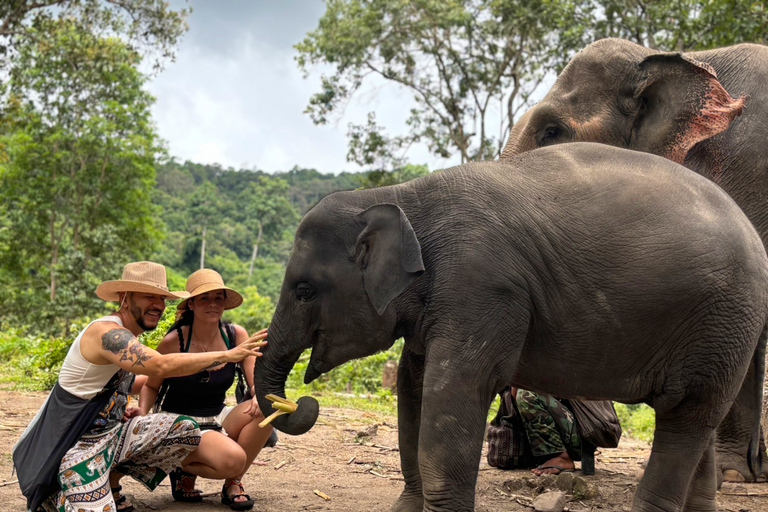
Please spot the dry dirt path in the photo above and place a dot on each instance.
(359, 472)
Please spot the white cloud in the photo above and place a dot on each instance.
(236, 97)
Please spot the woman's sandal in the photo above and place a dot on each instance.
(120, 500)
(183, 487)
(232, 500)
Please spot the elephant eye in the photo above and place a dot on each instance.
(549, 135)
(305, 292)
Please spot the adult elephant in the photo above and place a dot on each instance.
(582, 270)
(679, 106)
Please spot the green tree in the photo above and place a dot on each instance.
(264, 209)
(471, 65)
(150, 27)
(405, 173)
(77, 154)
(680, 25)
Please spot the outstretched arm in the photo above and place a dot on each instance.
(107, 342)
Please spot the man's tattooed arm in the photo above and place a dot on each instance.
(213, 365)
(118, 341)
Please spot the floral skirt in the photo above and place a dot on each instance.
(146, 448)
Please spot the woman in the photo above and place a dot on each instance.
(238, 437)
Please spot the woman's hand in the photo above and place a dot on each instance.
(131, 412)
(253, 409)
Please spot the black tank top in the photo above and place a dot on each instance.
(203, 393)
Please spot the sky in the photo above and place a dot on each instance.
(235, 95)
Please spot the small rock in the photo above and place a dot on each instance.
(550, 502)
(583, 490)
(564, 482)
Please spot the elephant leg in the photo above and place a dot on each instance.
(681, 438)
(734, 434)
(456, 400)
(703, 487)
(410, 378)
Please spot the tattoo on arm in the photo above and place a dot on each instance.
(121, 341)
(116, 340)
(213, 365)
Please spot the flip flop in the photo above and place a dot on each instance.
(558, 468)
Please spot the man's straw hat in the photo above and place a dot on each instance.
(207, 280)
(141, 277)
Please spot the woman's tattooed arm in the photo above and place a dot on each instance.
(121, 342)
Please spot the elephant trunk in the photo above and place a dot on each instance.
(270, 374)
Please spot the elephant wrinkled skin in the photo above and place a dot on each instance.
(678, 106)
(582, 270)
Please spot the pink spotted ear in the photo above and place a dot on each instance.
(685, 104)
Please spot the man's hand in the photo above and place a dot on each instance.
(250, 347)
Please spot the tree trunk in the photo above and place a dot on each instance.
(202, 248)
(255, 253)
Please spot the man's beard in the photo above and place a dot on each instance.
(139, 318)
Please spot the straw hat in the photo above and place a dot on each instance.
(207, 280)
(142, 277)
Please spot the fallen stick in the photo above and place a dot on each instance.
(9, 483)
(750, 494)
(322, 495)
(281, 464)
(352, 459)
(378, 474)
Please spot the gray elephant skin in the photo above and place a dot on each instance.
(581, 270)
(706, 110)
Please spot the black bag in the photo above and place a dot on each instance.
(597, 422)
(242, 393)
(508, 446)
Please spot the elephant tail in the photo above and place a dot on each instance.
(755, 454)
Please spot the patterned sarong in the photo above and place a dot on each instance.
(146, 448)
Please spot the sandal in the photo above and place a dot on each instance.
(183, 487)
(121, 500)
(226, 499)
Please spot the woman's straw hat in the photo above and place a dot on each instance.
(207, 280)
(141, 277)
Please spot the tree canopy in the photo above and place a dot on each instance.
(473, 66)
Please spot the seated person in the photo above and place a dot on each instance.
(534, 430)
(84, 438)
(550, 430)
(199, 329)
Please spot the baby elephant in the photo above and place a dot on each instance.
(580, 270)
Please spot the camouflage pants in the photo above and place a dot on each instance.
(549, 425)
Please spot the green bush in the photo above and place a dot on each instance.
(356, 376)
(639, 420)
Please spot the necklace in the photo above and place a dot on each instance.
(208, 345)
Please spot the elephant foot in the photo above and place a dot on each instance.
(408, 502)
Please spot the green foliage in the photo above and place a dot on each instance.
(638, 421)
(405, 173)
(465, 62)
(255, 313)
(77, 153)
(356, 376)
(469, 64)
(148, 26)
(33, 362)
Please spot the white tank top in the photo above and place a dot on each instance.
(81, 377)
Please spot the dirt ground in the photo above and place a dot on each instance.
(349, 462)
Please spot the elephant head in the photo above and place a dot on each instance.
(345, 269)
(625, 95)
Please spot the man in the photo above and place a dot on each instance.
(84, 438)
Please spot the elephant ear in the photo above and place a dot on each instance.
(683, 103)
(387, 252)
